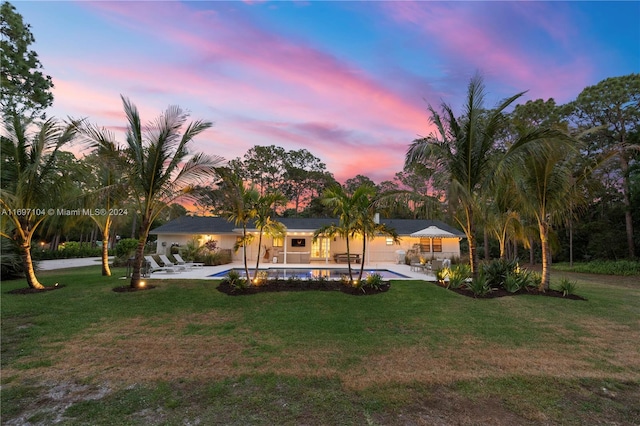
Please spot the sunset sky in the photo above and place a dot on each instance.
(348, 81)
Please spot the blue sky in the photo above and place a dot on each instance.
(349, 81)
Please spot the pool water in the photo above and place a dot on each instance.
(310, 273)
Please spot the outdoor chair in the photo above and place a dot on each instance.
(155, 267)
(170, 264)
(181, 262)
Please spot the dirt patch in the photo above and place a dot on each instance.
(191, 348)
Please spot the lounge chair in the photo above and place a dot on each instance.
(167, 263)
(155, 267)
(181, 261)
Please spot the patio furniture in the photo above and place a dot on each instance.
(181, 261)
(343, 258)
(167, 263)
(154, 267)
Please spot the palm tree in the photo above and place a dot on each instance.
(369, 229)
(464, 149)
(29, 183)
(160, 168)
(350, 210)
(109, 189)
(238, 206)
(265, 222)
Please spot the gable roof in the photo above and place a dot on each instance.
(217, 225)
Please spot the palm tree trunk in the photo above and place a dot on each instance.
(27, 264)
(546, 256)
(244, 250)
(532, 255)
(364, 251)
(255, 274)
(139, 257)
(349, 260)
(473, 250)
(106, 272)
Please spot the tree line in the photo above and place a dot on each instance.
(544, 177)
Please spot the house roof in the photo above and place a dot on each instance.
(217, 225)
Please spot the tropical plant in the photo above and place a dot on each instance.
(366, 224)
(567, 287)
(479, 285)
(464, 149)
(265, 222)
(497, 271)
(238, 206)
(350, 209)
(28, 182)
(458, 275)
(374, 281)
(160, 168)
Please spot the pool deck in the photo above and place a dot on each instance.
(204, 273)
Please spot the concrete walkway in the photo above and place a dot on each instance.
(207, 271)
(49, 265)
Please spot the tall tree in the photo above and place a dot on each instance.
(24, 89)
(463, 149)
(368, 227)
(160, 168)
(265, 222)
(238, 206)
(30, 182)
(551, 176)
(350, 209)
(613, 108)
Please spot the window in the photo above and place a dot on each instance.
(278, 242)
(425, 244)
(298, 242)
(389, 241)
(437, 245)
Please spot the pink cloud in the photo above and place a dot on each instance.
(481, 38)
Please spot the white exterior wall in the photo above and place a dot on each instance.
(377, 249)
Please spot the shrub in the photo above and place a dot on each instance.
(605, 267)
(236, 282)
(497, 271)
(567, 287)
(479, 286)
(458, 274)
(441, 274)
(10, 261)
(374, 281)
(126, 247)
(191, 250)
(512, 284)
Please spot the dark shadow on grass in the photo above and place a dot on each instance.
(29, 290)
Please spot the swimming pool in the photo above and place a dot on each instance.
(307, 273)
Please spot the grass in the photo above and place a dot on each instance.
(186, 353)
(604, 267)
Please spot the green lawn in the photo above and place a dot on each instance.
(184, 353)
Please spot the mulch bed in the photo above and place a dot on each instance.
(302, 285)
(501, 292)
(29, 290)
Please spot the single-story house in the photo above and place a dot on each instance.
(297, 246)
